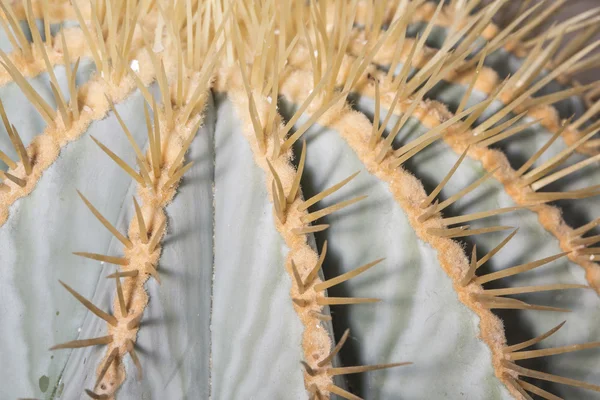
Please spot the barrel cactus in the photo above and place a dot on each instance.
(298, 200)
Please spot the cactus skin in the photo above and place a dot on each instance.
(247, 248)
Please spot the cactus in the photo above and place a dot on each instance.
(298, 200)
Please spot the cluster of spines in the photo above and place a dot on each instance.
(516, 91)
(112, 33)
(71, 117)
(515, 352)
(68, 110)
(17, 143)
(16, 36)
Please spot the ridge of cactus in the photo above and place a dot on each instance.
(85, 103)
(273, 91)
(496, 162)
(158, 178)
